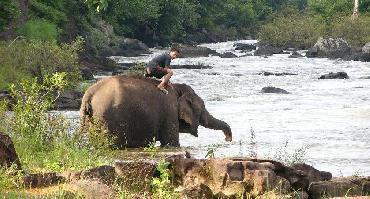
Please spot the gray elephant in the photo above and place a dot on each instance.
(135, 111)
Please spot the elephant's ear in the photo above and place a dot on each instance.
(185, 109)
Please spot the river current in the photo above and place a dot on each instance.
(327, 122)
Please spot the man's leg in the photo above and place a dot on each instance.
(166, 78)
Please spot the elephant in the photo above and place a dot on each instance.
(135, 111)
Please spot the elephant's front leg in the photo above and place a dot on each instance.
(169, 134)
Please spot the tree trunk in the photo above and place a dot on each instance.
(355, 10)
(208, 121)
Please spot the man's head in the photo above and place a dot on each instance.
(174, 52)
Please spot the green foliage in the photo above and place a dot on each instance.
(9, 178)
(292, 29)
(151, 148)
(298, 156)
(162, 186)
(26, 59)
(98, 5)
(52, 11)
(98, 135)
(43, 140)
(8, 11)
(328, 9)
(355, 32)
(39, 30)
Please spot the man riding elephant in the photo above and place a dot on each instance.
(134, 112)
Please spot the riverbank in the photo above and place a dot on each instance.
(161, 174)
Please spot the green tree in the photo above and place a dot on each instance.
(8, 11)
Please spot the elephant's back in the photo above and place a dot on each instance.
(119, 93)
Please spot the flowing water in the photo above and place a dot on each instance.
(327, 121)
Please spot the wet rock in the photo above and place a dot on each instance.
(132, 48)
(270, 89)
(42, 179)
(330, 47)
(295, 54)
(190, 66)
(90, 189)
(313, 174)
(228, 55)
(8, 155)
(194, 51)
(265, 73)
(69, 100)
(244, 47)
(338, 75)
(267, 50)
(341, 187)
(87, 73)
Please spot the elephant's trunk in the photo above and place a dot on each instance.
(208, 121)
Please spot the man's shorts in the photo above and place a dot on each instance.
(157, 72)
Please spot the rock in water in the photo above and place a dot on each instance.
(330, 47)
(338, 75)
(270, 89)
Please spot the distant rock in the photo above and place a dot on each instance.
(244, 47)
(267, 50)
(190, 66)
(270, 89)
(330, 47)
(295, 54)
(338, 75)
(275, 74)
(228, 55)
(187, 50)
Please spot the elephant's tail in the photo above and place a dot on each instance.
(86, 109)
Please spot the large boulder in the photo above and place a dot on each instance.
(8, 155)
(226, 178)
(271, 89)
(133, 47)
(313, 174)
(69, 100)
(330, 47)
(187, 50)
(337, 75)
(267, 50)
(341, 187)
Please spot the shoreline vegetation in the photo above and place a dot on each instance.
(49, 47)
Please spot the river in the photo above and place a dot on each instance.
(325, 121)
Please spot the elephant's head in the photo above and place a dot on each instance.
(192, 112)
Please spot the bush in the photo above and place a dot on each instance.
(355, 32)
(26, 59)
(291, 30)
(39, 29)
(43, 140)
(8, 12)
